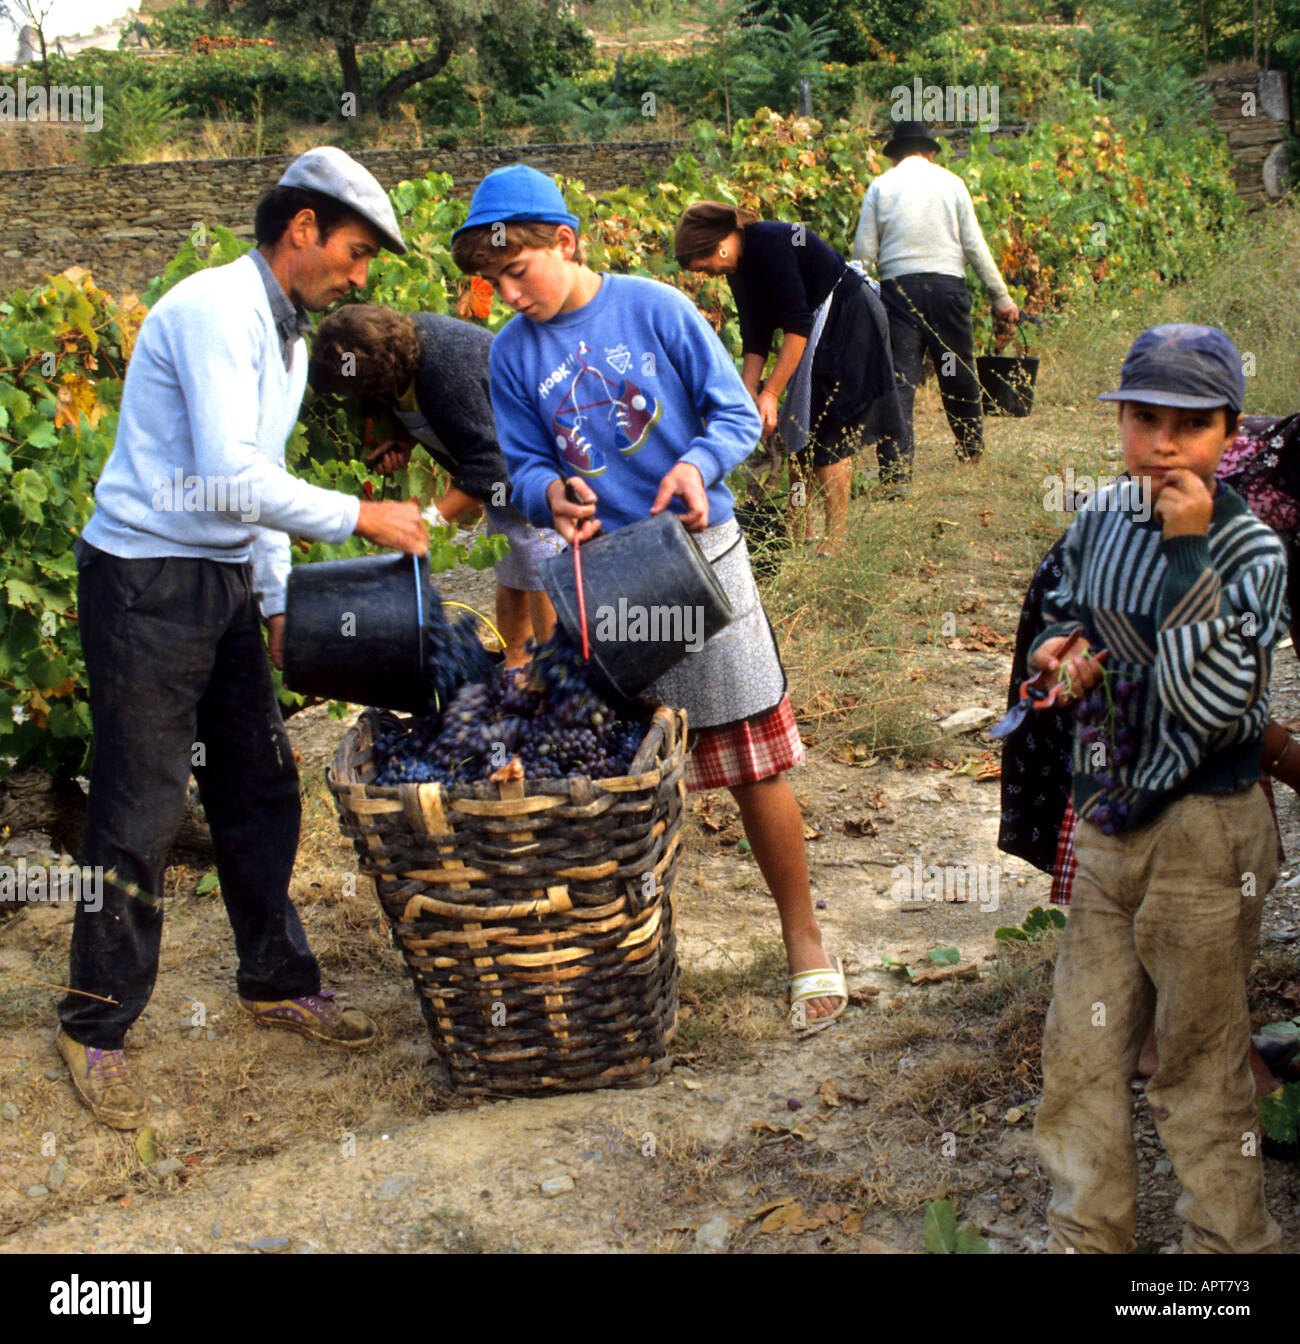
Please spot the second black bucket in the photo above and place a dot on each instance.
(1007, 381)
(651, 598)
(354, 631)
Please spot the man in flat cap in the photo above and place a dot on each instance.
(188, 545)
(918, 227)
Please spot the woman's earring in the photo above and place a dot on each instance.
(722, 252)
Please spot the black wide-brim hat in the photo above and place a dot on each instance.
(907, 135)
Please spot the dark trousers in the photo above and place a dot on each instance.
(932, 312)
(178, 681)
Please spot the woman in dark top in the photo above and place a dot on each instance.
(834, 363)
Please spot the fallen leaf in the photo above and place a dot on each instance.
(988, 637)
(691, 1085)
(767, 1208)
(811, 832)
(830, 1213)
(828, 1094)
(874, 1246)
(863, 996)
(852, 1224)
(146, 1145)
(857, 827)
(792, 1220)
(782, 1131)
(967, 970)
(1014, 1116)
(1010, 1203)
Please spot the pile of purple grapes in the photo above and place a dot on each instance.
(1100, 716)
(555, 714)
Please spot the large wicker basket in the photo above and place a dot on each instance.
(535, 917)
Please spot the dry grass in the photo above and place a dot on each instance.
(726, 1011)
(863, 637)
(40, 145)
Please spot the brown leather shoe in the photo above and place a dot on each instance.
(316, 1016)
(103, 1083)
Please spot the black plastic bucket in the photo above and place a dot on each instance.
(354, 631)
(1007, 381)
(651, 598)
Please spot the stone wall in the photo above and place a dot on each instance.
(125, 221)
(1253, 109)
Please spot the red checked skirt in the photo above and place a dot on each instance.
(746, 752)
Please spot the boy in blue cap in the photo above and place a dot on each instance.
(1177, 848)
(618, 382)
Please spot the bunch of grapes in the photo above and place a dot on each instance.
(1101, 718)
(556, 715)
(454, 655)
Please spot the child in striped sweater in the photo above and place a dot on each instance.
(1170, 573)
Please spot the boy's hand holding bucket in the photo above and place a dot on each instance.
(684, 482)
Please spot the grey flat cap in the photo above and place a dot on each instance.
(333, 173)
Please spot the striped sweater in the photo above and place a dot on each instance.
(1190, 622)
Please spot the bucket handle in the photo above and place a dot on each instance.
(1020, 332)
(419, 609)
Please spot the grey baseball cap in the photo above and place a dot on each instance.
(1183, 365)
(333, 173)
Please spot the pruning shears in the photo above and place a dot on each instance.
(1035, 693)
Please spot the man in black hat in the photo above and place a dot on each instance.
(918, 227)
(188, 546)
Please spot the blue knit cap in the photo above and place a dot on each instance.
(517, 193)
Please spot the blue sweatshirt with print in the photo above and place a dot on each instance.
(619, 392)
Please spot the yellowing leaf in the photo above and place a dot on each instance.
(77, 399)
(129, 315)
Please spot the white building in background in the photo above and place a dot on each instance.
(71, 26)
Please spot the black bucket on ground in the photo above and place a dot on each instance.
(354, 631)
(762, 520)
(1007, 381)
(651, 598)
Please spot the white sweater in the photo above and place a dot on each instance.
(919, 217)
(197, 467)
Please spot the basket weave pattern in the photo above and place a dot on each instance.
(542, 950)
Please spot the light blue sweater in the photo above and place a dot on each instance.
(197, 467)
(619, 391)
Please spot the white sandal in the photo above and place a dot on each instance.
(826, 983)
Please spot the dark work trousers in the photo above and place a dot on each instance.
(178, 681)
(932, 312)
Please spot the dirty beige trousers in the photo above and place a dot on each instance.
(1163, 920)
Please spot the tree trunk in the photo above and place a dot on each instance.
(45, 58)
(351, 72)
(387, 97)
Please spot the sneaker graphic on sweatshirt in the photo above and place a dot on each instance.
(623, 411)
(636, 415)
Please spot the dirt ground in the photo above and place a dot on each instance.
(261, 1142)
